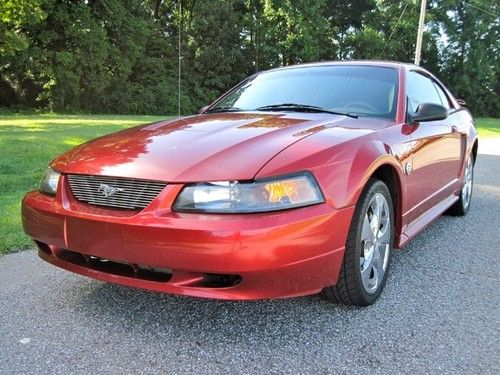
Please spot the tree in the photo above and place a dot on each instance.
(122, 55)
(469, 52)
(14, 16)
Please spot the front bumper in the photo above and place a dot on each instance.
(252, 256)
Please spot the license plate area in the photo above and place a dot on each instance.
(96, 238)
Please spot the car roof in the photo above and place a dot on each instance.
(380, 63)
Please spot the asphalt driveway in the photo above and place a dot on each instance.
(440, 313)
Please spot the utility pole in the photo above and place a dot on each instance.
(421, 20)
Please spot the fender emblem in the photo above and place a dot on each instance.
(408, 167)
(109, 191)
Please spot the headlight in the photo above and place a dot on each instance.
(49, 182)
(258, 196)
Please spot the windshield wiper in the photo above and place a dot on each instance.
(302, 107)
(224, 109)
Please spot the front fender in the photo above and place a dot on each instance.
(368, 159)
(341, 170)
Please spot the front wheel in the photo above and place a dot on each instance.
(368, 249)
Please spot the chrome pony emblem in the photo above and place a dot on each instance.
(109, 191)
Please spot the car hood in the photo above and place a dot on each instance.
(208, 147)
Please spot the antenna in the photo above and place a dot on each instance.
(179, 63)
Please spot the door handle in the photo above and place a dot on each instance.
(454, 129)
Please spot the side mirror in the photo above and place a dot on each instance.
(203, 109)
(429, 112)
(461, 103)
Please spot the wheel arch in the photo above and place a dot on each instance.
(385, 167)
(474, 150)
(388, 174)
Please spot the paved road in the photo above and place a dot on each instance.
(439, 314)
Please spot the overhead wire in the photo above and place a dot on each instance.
(394, 29)
(474, 4)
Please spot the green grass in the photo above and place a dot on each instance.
(488, 127)
(28, 142)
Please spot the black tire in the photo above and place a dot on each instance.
(462, 205)
(349, 289)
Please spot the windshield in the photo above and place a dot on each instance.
(356, 90)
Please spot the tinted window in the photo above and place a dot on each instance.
(362, 90)
(443, 96)
(420, 89)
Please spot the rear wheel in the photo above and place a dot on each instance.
(368, 249)
(461, 207)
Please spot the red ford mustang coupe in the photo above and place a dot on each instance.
(298, 180)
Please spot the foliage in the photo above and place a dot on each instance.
(121, 55)
(14, 15)
(470, 57)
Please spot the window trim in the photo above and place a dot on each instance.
(451, 98)
(440, 87)
(435, 82)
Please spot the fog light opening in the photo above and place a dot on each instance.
(43, 247)
(153, 273)
(72, 257)
(212, 280)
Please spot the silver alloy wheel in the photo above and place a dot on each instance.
(468, 178)
(375, 238)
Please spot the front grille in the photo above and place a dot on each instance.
(114, 192)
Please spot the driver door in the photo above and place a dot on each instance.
(436, 148)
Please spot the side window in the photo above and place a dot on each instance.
(420, 89)
(443, 96)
